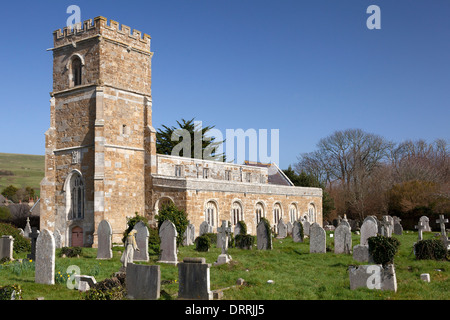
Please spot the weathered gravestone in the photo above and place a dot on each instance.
(194, 279)
(289, 226)
(224, 233)
(168, 246)
(6, 247)
(84, 283)
(306, 226)
(33, 237)
(27, 231)
(263, 237)
(317, 239)
(142, 242)
(143, 282)
(426, 223)
(297, 232)
(104, 234)
(420, 228)
(342, 239)
(282, 229)
(386, 227)
(205, 227)
(398, 229)
(442, 221)
(373, 277)
(237, 229)
(189, 235)
(369, 229)
(45, 258)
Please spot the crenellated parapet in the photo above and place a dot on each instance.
(99, 27)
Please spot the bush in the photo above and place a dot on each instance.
(383, 249)
(243, 227)
(203, 243)
(11, 292)
(109, 289)
(244, 241)
(430, 249)
(177, 216)
(71, 252)
(21, 244)
(153, 240)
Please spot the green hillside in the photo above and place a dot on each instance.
(21, 170)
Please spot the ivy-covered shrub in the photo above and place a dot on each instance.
(244, 241)
(153, 240)
(430, 249)
(203, 243)
(383, 249)
(212, 237)
(11, 292)
(109, 289)
(71, 252)
(243, 227)
(21, 244)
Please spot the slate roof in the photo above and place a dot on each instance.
(276, 175)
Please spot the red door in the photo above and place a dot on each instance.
(77, 237)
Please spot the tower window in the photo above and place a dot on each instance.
(76, 71)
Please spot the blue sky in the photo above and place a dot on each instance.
(305, 67)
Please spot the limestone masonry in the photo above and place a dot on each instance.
(100, 150)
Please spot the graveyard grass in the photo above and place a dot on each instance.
(296, 274)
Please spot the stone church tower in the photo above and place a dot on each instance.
(100, 138)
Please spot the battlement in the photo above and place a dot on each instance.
(99, 27)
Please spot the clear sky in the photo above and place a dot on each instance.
(304, 67)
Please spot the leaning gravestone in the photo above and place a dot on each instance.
(205, 227)
(141, 241)
(263, 237)
(342, 239)
(282, 229)
(369, 229)
(104, 232)
(6, 247)
(45, 258)
(143, 282)
(297, 232)
(318, 239)
(168, 246)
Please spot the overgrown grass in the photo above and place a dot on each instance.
(296, 274)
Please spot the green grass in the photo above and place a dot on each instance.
(28, 170)
(297, 274)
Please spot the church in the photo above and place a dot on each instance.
(100, 150)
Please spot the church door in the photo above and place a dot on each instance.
(77, 237)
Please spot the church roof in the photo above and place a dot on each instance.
(276, 175)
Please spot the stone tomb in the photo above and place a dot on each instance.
(104, 232)
(45, 258)
(168, 246)
(143, 282)
(194, 279)
(141, 241)
(317, 239)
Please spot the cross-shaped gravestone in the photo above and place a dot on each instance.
(420, 227)
(224, 232)
(33, 236)
(442, 221)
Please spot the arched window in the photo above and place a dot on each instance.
(312, 213)
(76, 197)
(236, 213)
(259, 210)
(211, 213)
(293, 214)
(276, 213)
(76, 71)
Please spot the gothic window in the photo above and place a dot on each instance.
(76, 197)
(311, 213)
(293, 215)
(236, 213)
(76, 71)
(276, 213)
(211, 213)
(259, 210)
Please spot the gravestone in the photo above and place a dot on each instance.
(45, 258)
(420, 228)
(369, 229)
(342, 239)
(263, 237)
(386, 227)
(289, 228)
(442, 221)
(83, 282)
(237, 229)
(143, 282)
(205, 227)
(33, 238)
(306, 226)
(141, 241)
(104, 234)
(6, 247)
(345, 222)
(373, 276)
(296, 232)
(194, 279)
(398, 229)
(361, 253)
(318, 239)
(282, 229)
(189, 235)
(168, 246)
(27, 231)
(223, 233)
(426, 223)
